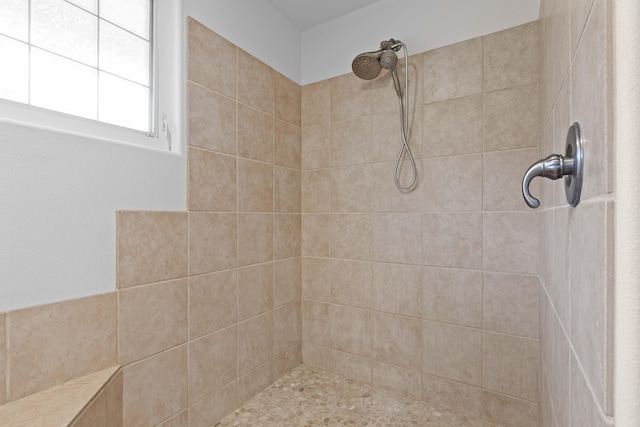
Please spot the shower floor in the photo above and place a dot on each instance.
(312, 397)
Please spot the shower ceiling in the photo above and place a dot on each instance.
(309, 13)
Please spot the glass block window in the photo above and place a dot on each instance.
(86, 58)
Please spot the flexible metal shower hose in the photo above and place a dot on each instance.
(404, 128)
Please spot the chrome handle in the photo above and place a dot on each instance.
(556, 166)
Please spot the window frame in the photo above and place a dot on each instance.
(165, 94)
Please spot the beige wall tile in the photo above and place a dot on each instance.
(255, 381)
(351, 236)
(255, 134)
(315, 146)
(510, 365)
(287, 104)
(511, 118)
(453, 71)
(591, 102)
(458, 120)
(559, 287)
(287, 326)
(459, 353)
(255, 342)
(352, 141)
(383, 95)
(316, 322)
(151, 318)
(352, 366)
(50, 344)
(497, 408)
(212, 302)
(212, 119)
(255, 290)
(452, 240)
(287, 361)
(287, 145)
(214, 406)
(560, 373)
(255, 186)
(387, 137)
(386, 197)
(287, 277)
(255, 238)
(212, 242)
(511, 242)
(211, 58)
(453, 184)
(580, 11)
(397, 289)
(546, 415)
(350, 97)
(286, 190)
(255, 82)
(316, 278)
(150, 246)
(3, 361)
(400, 380)
(212, 362)
(397, 340)
(212, 181)
(510, 57)
(452, 296)
(113, 393)
(318, 356)
(95, 413)
(351, 330)
(351, 189)
(316, 101)
(591, 261)
(316, 241)
(287, 235)
(316, 190)
(429, 347)
(396, 237)
(511, 304)
(155, 388)
(585, 409)
(502, 179)
(180, 420)
(352, 283)
(460, 397)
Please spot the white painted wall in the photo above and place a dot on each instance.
(59, 193)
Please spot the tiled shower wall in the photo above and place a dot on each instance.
(576, 268)
(207, 311)
(432, 292)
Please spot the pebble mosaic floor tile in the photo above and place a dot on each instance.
(312, 397)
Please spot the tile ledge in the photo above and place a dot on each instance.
(58, 406)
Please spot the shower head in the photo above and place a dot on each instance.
(368, 65)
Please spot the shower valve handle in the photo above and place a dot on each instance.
(553, 167)
(557, 166)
